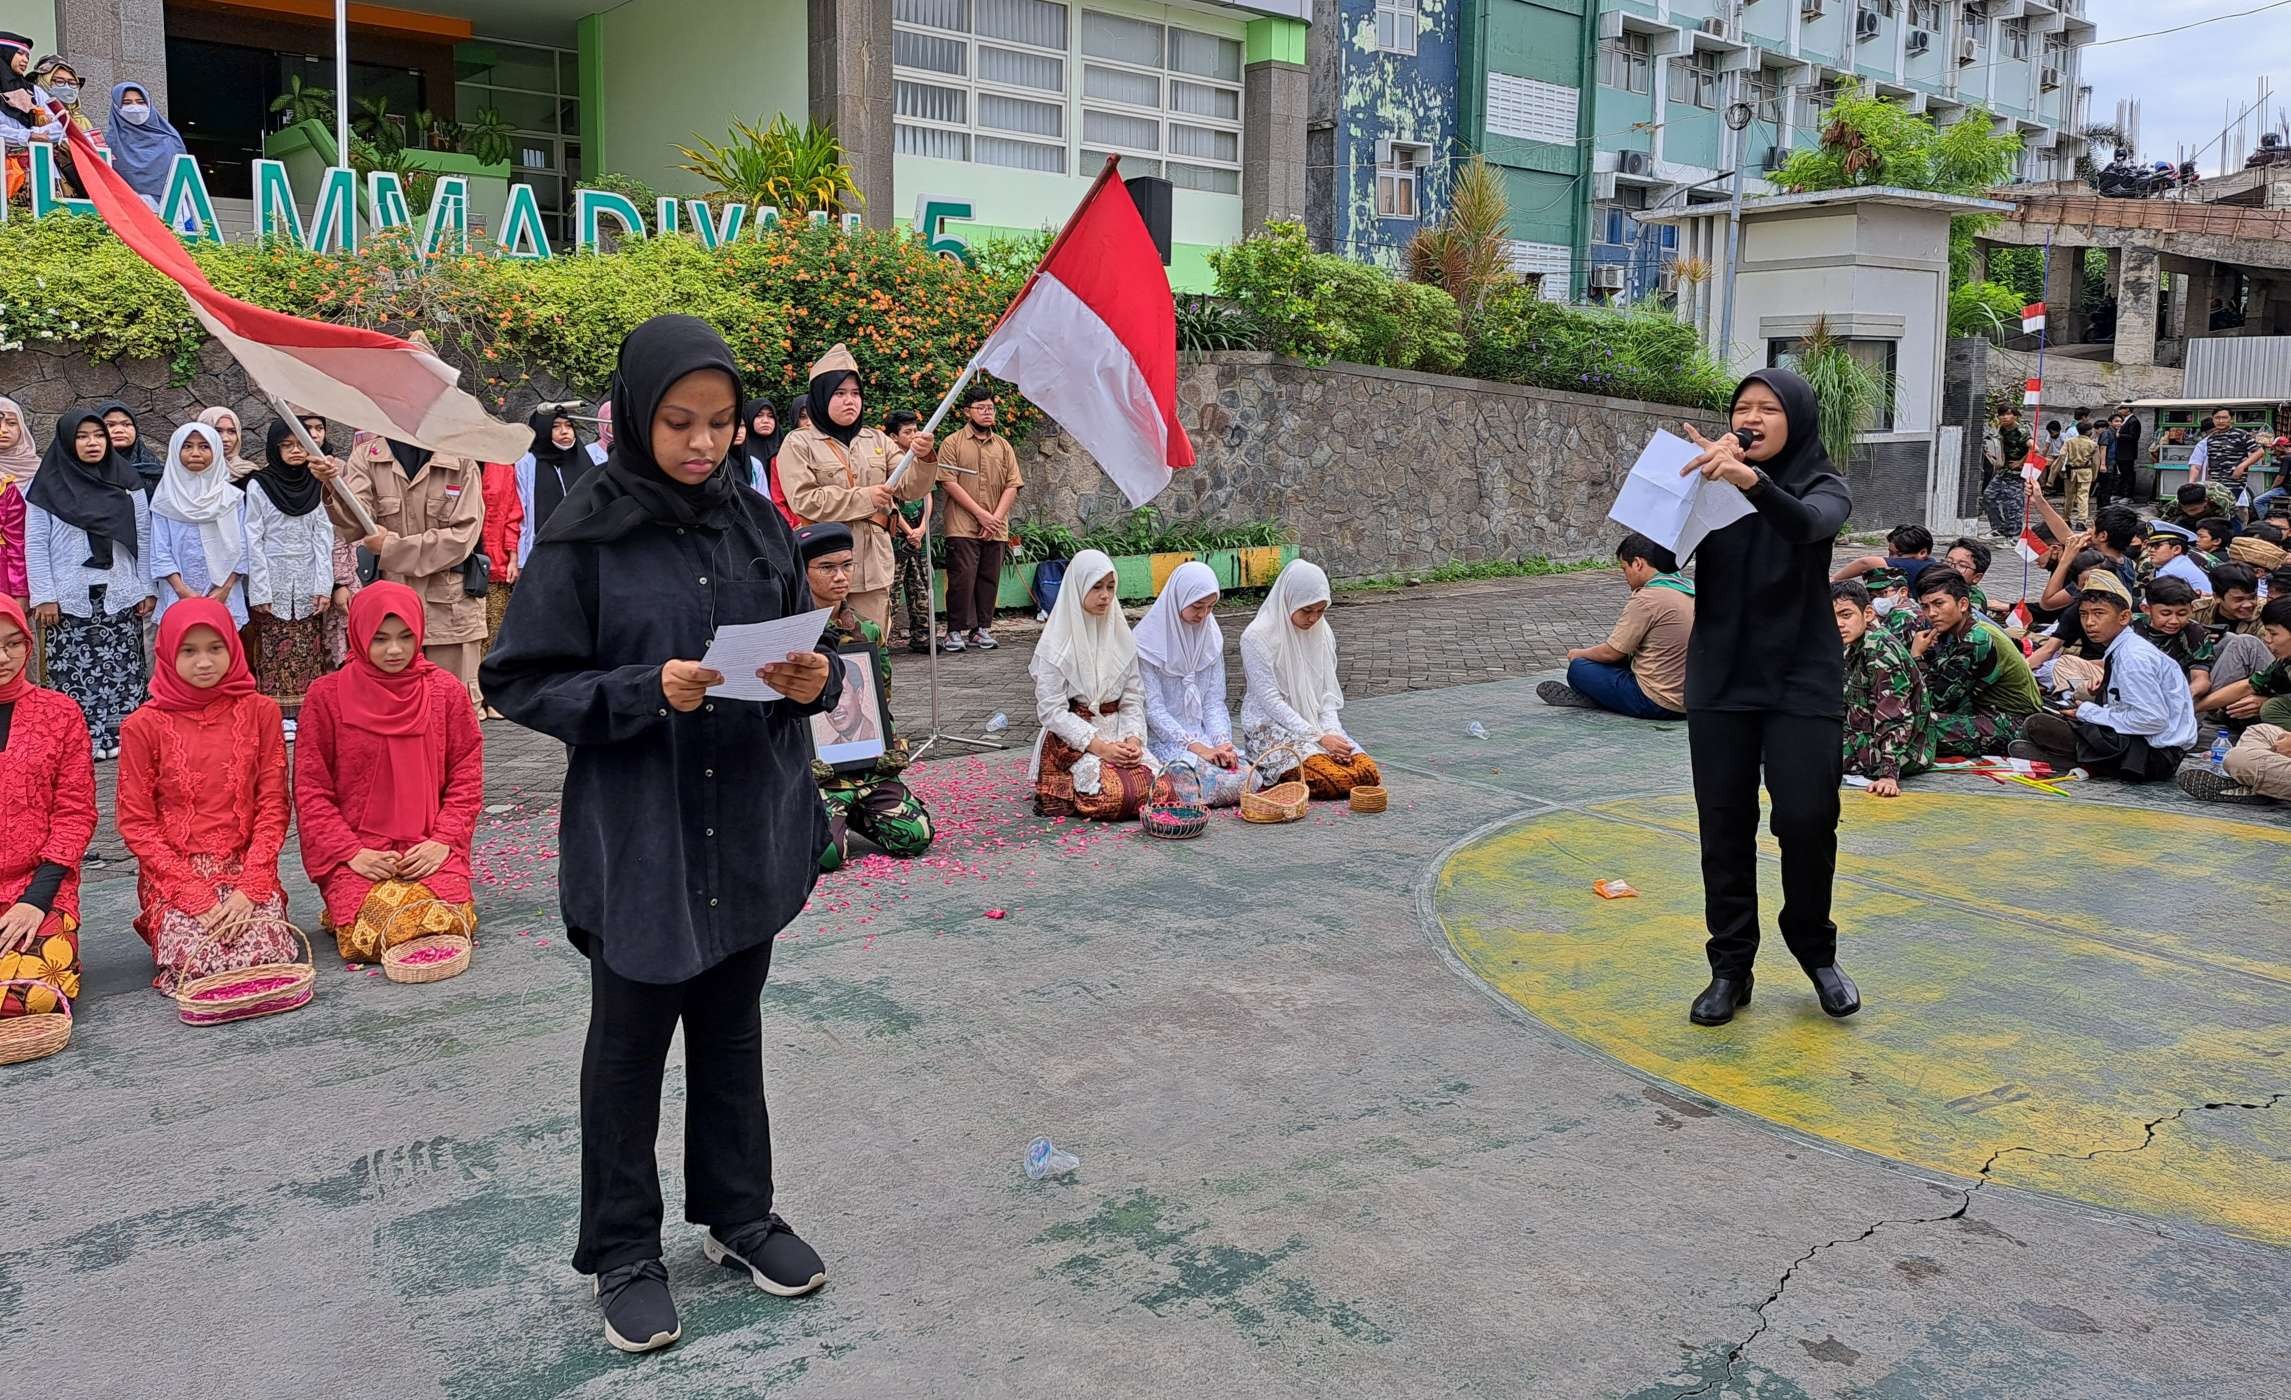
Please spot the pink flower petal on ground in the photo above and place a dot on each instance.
(998, 913)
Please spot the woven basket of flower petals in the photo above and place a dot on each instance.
(1175, 811)
(35, 1035)
(265, 989)
(432, 957)
(1281, 802)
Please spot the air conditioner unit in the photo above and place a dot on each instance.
(1968, 50)
(1715, 25)
(1608, 278)
(1865, 24)
(2049, 78)
(1634, 162)
(1920, 41)
(1776, 158)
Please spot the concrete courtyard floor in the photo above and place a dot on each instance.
(1363, 1109)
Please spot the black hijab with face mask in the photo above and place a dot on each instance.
(147, 467)
(822, 389)
(293, 489)
(1764, 636)
(631, 489)
(97, 497)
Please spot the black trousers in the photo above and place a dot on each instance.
(727, 1135)
(1803, 761)
(974, 577)
(2102, 752)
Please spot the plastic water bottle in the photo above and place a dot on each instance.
(2219, 753)
(997, 722)
(1476, 729)
(1044, 1160)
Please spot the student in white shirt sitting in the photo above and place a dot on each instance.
(2168, 547)
(2141, 719)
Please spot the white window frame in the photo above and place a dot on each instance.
(1693, 79)
(1925, 15)
(1627, 57)
(1975, 19)
(1400, 180)
(2016, 39)
(1081, 155)
(1396, 24)
(1763, 91)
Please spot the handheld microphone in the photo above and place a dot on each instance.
(1743, 436)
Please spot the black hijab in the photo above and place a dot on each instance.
(822, 389)
(555, 468)
(293, 489)
(630, 489)
(148, 469)
(410, 459)
(94, 496)
(763, 449)
(11, 81)
(1803, 457)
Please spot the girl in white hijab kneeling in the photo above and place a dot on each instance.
(1090, 759)
(1288, 655)
(1181, 657)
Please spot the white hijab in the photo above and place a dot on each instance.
(1093, 655)
(206, 499)
(1304, 663)
(1167, 641)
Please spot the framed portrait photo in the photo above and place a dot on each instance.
(857, 732)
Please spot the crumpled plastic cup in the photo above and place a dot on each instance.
(1043, 1160)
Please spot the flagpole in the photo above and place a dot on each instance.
(342, 82)
(341, 489)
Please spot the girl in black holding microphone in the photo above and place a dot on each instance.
(1765, 687)
(691, 828)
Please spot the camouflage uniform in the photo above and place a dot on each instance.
(873, 804)
(1889, 729)
(2219, 501)
(910, 566)
(2193, 646)
(1978, 701)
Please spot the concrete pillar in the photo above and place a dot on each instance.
(1274, 104)
(2137, 276)
(2191, 315)
(2062, 272)
(1980, 263)
(114, 41)
(850, 79)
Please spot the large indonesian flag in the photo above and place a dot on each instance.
(1092, 340)
(358, 377)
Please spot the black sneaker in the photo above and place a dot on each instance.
(1562, 694)
(639, 1314)
(779, 1262)
(2200, 782)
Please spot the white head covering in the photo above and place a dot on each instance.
(1304, 663)
(1093, 654)
(241, 467)
(1167, 641)
(206, 499)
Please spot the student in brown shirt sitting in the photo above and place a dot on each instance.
(1640, 670)
(979, 468)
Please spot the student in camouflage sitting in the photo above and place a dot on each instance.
(1889, 728)
(1979, 684)
(2169, 625)
(874, 804)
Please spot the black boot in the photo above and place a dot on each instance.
(1719, 1001)
(1840, 997)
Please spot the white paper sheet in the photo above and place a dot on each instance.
(741, 647)
(1672, 510)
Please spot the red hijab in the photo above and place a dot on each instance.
(20, 687)
(410, 787)
(169, 691)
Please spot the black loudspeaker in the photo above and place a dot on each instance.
(1151, 195)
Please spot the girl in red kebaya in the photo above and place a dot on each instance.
(47, 790)
(202, 803)
(389, 776)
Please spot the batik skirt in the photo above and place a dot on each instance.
(50, 965)
(396, 911)
(1122, 787)
(496, 603)
(291, 656)
(98, 661)
(184, 948)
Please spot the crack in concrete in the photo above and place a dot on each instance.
(2148, 1129)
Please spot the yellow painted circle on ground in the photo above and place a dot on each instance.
(2042, 981)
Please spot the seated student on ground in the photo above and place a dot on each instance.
(2198, 500)
(1181, 658)
(2116, 532)
(1288, 654)
(2170, 627)
(2260, 763)
(1090, 759)
(873, 804)
(2140, 725)
(1640, 670)
(202, 804)
(1977, 681)
(1971, 558)
(2168, 547)
(2213, 536)
(2063, 658)
(389, 778)
(2234, 624)
(1889, 599)
(1908, 550)
(1889, 727)
(47, 789)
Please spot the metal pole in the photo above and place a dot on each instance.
(342, 82)
(1733, 210)
(931, 581)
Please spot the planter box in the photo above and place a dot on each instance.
(306, 149)
(1139, 577)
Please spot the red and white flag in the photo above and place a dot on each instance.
(358, 377)
(2029, 546)
(2032, 392)
(1092, 340)
(2032, 318)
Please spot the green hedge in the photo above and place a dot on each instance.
(1633, 354)
(911, 318)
